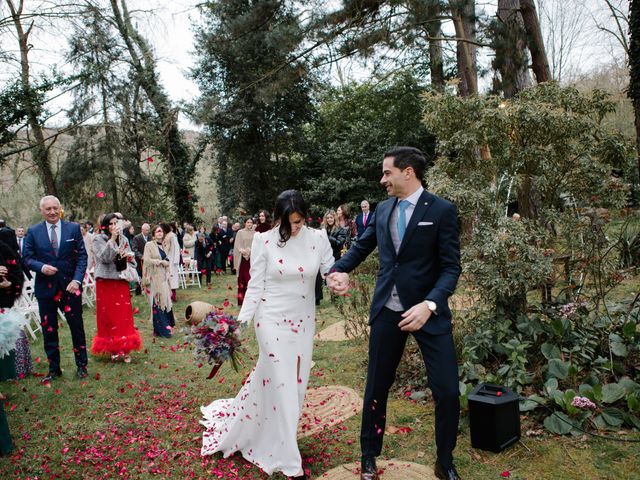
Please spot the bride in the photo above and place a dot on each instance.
(261, 422)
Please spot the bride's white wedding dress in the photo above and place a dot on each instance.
(261, 422)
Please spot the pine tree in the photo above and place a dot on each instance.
(255, 97)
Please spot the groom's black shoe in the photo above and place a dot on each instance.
(448, 474)
(52, 375)
(368, 469)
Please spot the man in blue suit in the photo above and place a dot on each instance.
(362, 219)
(417, 236)
(55, 250)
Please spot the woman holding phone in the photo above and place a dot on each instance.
(116, 336)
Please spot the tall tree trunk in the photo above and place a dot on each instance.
(510, 45)
(463, 14)
(109, 151)
(539, 60)
(434, 30)
(173, 149)
(39, 150)
(634, 67)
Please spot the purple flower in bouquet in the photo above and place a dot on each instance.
(216, 339)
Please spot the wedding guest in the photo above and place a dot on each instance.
(337, 235)
(11, 280)
(362, 219)
(11, 321)
(88, 245)
(22, 361)
(261, 422)
(345, 221)
(264, 222)
(54, 249)
(117, 335)
(204, 252)
(172, 250)
(234, 231)
(137, 245)
(224, 236)
(20, 234)
(189, 240)
(242, 257)
(155, 278)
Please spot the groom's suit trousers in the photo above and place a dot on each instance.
(386, 344)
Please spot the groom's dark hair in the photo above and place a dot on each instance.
(288, 202)
(404, 157)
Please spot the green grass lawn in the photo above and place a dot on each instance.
(140, 420)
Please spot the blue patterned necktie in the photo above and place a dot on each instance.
(54, 240)
(402, 218)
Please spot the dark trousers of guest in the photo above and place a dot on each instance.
(204, 268)
(71, 305)
(386, 345)
(138, 284)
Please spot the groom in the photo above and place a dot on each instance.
(418, 241)
(54, 249)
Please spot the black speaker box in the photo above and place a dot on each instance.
(494, 417)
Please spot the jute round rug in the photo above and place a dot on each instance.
(387, 469)
(333, 333)
(327, 406)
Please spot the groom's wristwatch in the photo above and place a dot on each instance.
(432, 306)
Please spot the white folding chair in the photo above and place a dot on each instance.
(193, 273)
(28, 306)
(88, 289)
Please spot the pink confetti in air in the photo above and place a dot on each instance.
(100, 194)
(67, 308)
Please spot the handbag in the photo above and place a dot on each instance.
(121, 263)
(130, 274)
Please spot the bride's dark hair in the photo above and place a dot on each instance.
(288, 202)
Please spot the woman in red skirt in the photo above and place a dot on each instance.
(116, 335)
(242, 256)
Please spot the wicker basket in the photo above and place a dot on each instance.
(197, 311)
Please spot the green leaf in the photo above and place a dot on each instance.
(559, 423)
(551, 385)
(633, 403)
(550, 351)
(530, 403)
(619, 349)
(629, 385)
(612, 392)
(614, 417)
(597, 393)
(629, 329)
(558, 368)
(632, 420)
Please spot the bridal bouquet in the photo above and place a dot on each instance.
(216, 339)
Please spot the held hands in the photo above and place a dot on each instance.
(415, 318)
(338, 282)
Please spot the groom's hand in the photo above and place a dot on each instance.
(415, 318)
(338, 282)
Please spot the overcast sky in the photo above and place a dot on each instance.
(169, 28)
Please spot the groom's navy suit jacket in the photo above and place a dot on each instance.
(427, 265)
(71, 260)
